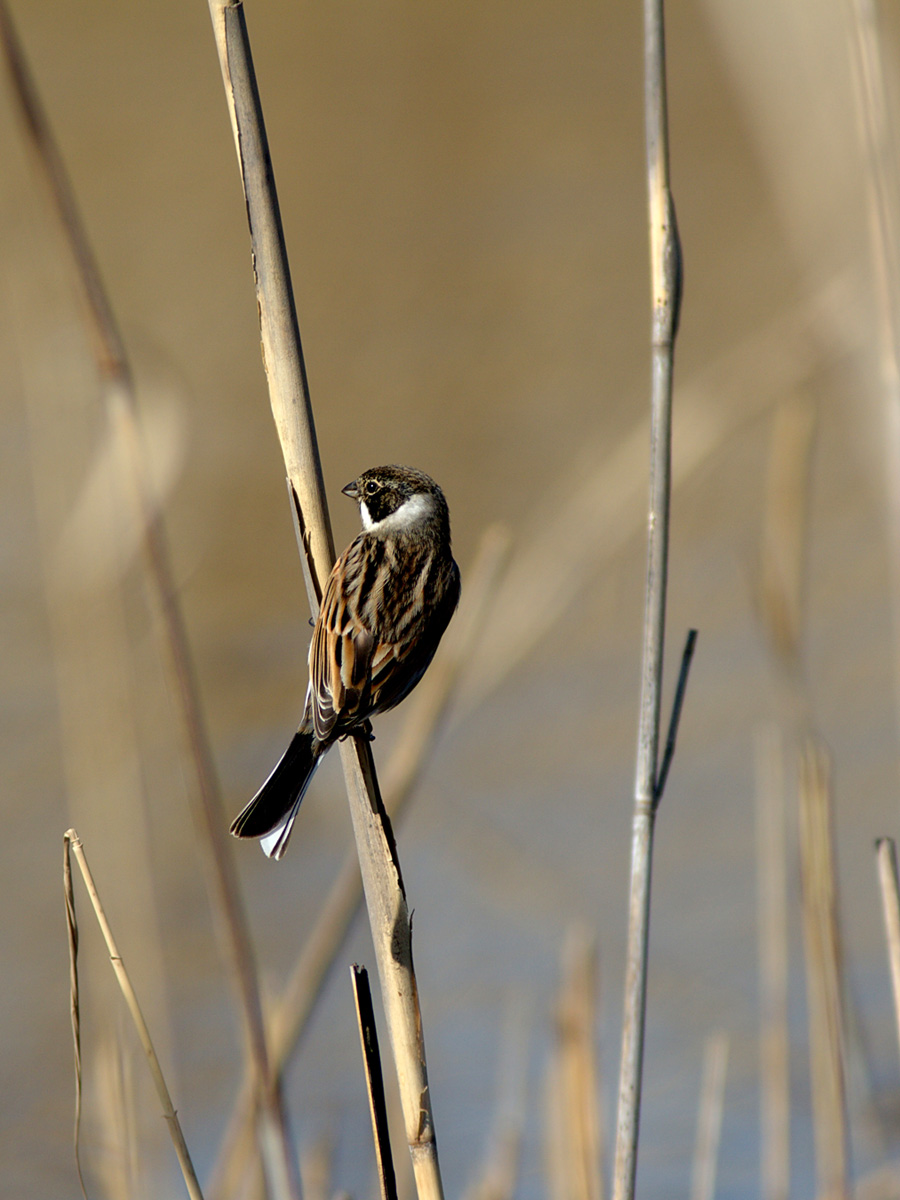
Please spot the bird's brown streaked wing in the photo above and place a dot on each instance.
(392, 679)
(397, 667)
(338, 662)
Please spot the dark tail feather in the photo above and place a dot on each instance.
(270, 814)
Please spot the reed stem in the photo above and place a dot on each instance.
(74, 846)
(292, 409)
(886, 851)
(665, 261)
(368, 1037)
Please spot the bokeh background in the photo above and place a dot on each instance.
(464, 199)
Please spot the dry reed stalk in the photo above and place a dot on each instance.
(368, 1037)
(774, 1053)
(391, 928)
(119, 396)
(289, 395)
(425, 711)
(578, 1072)
(72, 845)
(665, 267)
(823, 975)
(403, 1168)
(886, 851)
(74, 1008)
(709, 1116)
(878, 137)
(499, 1172)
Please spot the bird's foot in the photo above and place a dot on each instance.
(362, 730)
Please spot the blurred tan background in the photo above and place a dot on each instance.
(463, 194)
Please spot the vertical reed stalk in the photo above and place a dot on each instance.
(289, 395)
(774, 1091)
(368, 1037)
(883, 186)
(886, 850)
(578, 1072)
(665, 262)
(823, 976)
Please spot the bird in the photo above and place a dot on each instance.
(388, 600)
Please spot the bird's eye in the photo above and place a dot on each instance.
(372, 486)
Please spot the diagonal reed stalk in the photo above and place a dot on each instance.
(73, 846)
(665, 263)
(119, 396)
(292, 409)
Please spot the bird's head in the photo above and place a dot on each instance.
(397, 499)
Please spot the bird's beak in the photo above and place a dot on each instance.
(351, 490)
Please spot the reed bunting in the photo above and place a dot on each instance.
(388, 600)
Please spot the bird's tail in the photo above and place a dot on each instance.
(270, 814)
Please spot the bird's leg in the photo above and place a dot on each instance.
(363, 729)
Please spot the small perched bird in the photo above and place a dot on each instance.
(388, 600)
